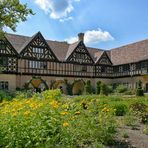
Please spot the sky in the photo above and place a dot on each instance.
(107, 24)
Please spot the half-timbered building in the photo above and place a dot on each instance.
(22, 57)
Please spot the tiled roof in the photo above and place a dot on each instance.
(59, 48)
(130, 53)
(94, 52)
(17, 41)
(71, 49)
(126, 54)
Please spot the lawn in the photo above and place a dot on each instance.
(51, 119)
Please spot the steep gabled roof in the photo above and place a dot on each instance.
(94, 52)
(102, 56)
(59, 48)
(17, 41)
(71, 48)
(126, 54)
(130, 53)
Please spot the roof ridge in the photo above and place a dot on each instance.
(132, 43)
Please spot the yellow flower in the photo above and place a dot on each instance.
(77, 113)
(26, 113)
(65, 124)
(55, 104)
(105, 109)
(64, 113)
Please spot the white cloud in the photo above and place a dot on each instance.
(72, 40)
(93, 36)
(66, 19)
(56, 8)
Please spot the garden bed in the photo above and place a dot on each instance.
(50, 119)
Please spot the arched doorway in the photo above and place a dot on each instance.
(38, 84)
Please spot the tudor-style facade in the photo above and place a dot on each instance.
(22, 57)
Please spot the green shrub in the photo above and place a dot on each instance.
(7, 95)
(110, 89)
(98, 87)
(130, 92)
(139, 91)
(88, 88)
(121, 89)
(103, 89)
(120, 109)
(68, 87)
(144, 118)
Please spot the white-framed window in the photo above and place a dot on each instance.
(4, 85)
(38, 64)
(37, 50)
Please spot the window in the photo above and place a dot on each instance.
(38, 64)
(3, 61)
(3, 85)
(37, 50)
(144, 64)
(120, 68)
(80, 68)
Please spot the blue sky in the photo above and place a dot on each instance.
(106, 23)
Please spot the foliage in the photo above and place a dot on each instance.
(110, 89)
(121, 89)
(144, 118)
(146, 130)
(139, 91)
(6, 95)
(130, 92)
(60, 84)
(11, 13)
(103, 89)
(48, 120)
(68, 87)
(120, 109)
(88, 87)
(98, 87)
(138, 107)
(131, 119)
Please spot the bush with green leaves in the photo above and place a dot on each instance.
(139, 91)
(103, 89)
(98, 88)
(88, 87)
(49, 120)
(121, 89)
(120, 109)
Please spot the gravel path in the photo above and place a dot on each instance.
(135, 139)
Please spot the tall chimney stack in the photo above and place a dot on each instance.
(81, 36)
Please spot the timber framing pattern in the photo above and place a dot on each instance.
(22, 55)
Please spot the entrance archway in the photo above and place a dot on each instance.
(38, 84)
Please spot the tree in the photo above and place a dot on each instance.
(88, 88)
(98, 87)
(11, 13)
(103, 89)
(139, 91)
